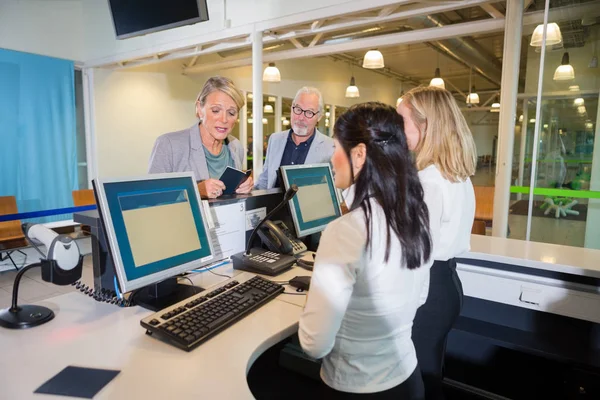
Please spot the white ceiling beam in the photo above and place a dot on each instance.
(493, 11)
(527, 4)
(409, 37)
(385, 11)
(296, 43)
(315, 40)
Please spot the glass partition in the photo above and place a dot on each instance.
(324, 125)
(555, 136)
(268, 121)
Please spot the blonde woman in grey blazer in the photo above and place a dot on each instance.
(303, 144)
(206, 148)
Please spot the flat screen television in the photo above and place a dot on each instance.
(139, 17)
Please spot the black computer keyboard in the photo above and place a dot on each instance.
(194, 320)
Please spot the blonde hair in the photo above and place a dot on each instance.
(221, 84)
(445, 139)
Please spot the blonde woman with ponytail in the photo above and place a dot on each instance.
(445, 157)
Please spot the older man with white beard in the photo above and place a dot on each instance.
(302, 144)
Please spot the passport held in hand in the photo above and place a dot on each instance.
(233, 178)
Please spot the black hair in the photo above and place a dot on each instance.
(389, 176)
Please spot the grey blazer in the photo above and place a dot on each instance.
(182, 151)
(321, 150)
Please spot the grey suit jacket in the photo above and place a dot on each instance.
(320, 151)
(182, 151)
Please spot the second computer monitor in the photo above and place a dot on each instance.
(316, 204)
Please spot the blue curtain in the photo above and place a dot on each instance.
(38, 149)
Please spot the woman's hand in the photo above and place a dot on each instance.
(246, 187)
(211, 188)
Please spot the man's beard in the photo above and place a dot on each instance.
(300, 130)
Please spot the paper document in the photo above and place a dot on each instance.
(229, 232)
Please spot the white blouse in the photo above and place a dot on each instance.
(451, 212)
(359, 312)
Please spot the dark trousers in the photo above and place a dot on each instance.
(433, 322)
(410, 389)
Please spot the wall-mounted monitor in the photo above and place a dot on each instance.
(139, 17)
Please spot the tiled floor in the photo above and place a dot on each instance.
(32, 288)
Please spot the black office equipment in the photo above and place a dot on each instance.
(265, 261)
(78, 382)
(189, 323)
(279, 239)
(300, 282)
(139, 17)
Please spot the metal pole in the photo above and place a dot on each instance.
(257, 104)
(513, 29)
(538, 123)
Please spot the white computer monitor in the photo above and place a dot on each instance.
(155, 226)
(316, 204)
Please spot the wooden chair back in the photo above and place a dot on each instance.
(484, 203)
(84, 197)
(10, 230)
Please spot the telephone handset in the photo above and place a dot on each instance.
(278, 238)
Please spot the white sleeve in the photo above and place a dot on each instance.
(334, 275)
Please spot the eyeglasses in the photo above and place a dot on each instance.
(307, 113)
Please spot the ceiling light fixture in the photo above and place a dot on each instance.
(437, 80)
(373, 60)
(268, 109)
(352, 89)
(565, 71)
(271, 74)
(553, 35)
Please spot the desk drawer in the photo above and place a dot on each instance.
(532, 292)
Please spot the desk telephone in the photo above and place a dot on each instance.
(278, 238)
(282, 247)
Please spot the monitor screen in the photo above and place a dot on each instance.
(139, 17)
(155, 227)
(316, 204)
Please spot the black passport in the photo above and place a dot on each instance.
(233, 178)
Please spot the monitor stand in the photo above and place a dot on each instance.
(164, 294)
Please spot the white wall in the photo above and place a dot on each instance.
(47, 27)
(131, 110)
(133, 107)
(484, 138)
(101, 43)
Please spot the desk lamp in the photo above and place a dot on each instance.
(62, 266)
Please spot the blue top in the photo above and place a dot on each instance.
(218, 163)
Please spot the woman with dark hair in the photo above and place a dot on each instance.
(372, 265)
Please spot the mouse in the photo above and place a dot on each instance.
(300, 282)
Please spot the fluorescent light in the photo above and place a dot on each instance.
(574, 88)
(553, 35)
(495, 107)
(532, 121)
(373, 60)
(578, 102)
(271, 74)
